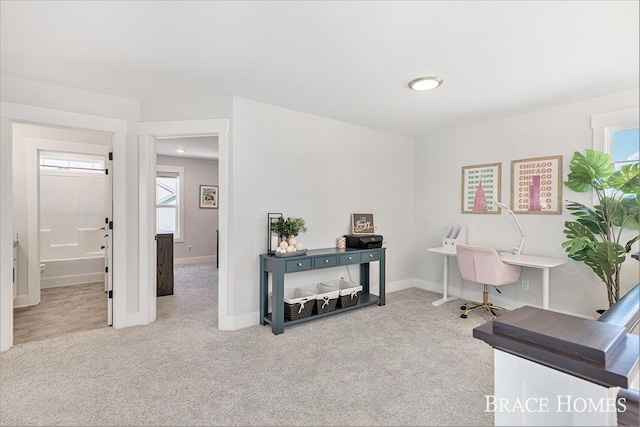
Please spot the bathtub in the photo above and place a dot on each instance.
(73, 271)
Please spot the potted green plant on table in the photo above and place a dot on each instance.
(595, 237)
(288, 228)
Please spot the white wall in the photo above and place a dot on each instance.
(72, 211)
(335, 169)
(439, 161)
(321, 170)
(186, 109)
(200, 225)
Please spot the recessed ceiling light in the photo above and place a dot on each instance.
(181, 150)
(425, 83)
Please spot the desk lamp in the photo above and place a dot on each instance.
(519, 248)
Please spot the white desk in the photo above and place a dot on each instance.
(445, 276)
(540, 262)
(543, 263)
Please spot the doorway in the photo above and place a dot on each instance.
(61, 221)
(12, 113)
(184, 166)
(148, 133)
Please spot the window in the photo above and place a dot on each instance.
(71, 162)
(617, 134)
(169, 196)
(623, 144)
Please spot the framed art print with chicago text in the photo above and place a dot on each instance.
(536, 185)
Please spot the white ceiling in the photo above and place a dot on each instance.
(349, 61)
(195, 147)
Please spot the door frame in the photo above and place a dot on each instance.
(19, 113)
(34, 146)
(147, 132)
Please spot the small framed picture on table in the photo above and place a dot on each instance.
(362, 223)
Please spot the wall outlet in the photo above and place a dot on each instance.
(525, 285)
(189, 248)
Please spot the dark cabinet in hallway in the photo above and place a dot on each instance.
(164, 249)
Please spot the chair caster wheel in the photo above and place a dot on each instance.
(464, 307)
(464, 316)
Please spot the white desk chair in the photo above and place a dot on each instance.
(482, 264)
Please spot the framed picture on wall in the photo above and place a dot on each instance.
(362, 223)
(536, 186)
(481, 185)
(209, 196)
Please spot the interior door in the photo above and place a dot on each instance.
(108, 239)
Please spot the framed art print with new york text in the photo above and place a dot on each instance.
(209, 196)
(481, 188)
(536, 185)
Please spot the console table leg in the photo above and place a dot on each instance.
(364, 277)
(277, 303)
(383, 275)
(264, 295)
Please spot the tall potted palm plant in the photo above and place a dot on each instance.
(595, 237)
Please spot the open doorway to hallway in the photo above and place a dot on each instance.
(184, 165)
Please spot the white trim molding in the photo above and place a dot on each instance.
(18, 113)
(599, 123)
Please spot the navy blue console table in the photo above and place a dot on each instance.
(314, 260)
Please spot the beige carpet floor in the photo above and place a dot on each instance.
(405, 364)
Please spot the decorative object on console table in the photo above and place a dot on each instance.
(209, 196)
(284, 254)
(349, 292)
(481, 186)
(298, 303)
(288, 229)
(362, 223)
(455, 235)
(535, 185)
(326, 297)
(273, 238)
(363, 242)
(595, 237)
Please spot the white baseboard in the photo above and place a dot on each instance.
(21, 301)
(428, 286)
(209, 259)
(71, 279)
(398, 286)
(129, 319)
(240, 322)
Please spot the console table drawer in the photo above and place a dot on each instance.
(349, 259)
(325, 261)
(299, 265)
(370, 256)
